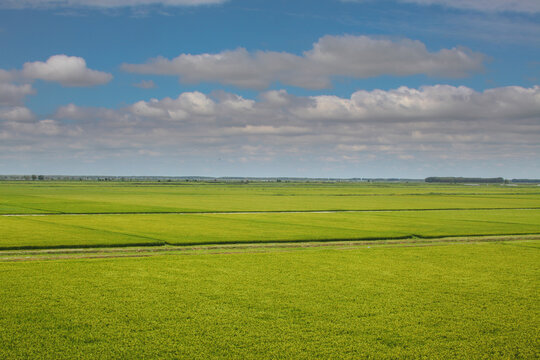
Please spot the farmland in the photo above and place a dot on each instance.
(268, 270)
(119, 214)
(449, 301)
(96, 197)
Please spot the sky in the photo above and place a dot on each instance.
(281, 88)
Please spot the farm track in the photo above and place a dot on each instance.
(147, 251)
(257, 212)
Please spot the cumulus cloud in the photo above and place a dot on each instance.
(6, 76)
(185, 106)
(269, 130)
(432, 123)
(145, 84)
(526, 6)
(13, 94)
(22, 4)
(66, 70)
(16, 114)
(12, 97)
(430, 102)
(331, 56)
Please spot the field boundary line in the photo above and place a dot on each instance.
(143, 250)
(255, 212)
(254, 242)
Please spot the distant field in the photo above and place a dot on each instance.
(113, 214)
(100, 197)
(463, 301)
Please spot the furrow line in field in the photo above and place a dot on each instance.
(97, 253)
(171, 246)
(259, 212)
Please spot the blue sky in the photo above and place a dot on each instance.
(396, 88)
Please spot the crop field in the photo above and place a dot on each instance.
(269, 270)
(54, 214)
(469, 301)
(99, 197)
(183, 229)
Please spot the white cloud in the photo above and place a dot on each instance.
(145, 84)
(526, 6)
(48, 127)
(21, 4)
(6, 76)
(13, 94)
(70, 111)
(268, 130)
(149, 109)
(431, 124)
(523, 6)
(351, 148)
(16, 113)
(12, 97)
(437, 102)
(232, 102)
(34, 131)
(276, 97)
(90, 114)
(187, 104)
(66, 70)
(347, 56)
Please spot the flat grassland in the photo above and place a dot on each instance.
(122, 214)
(460, 301)
(109, 197)
(268, 270)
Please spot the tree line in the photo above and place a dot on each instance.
(461, 180)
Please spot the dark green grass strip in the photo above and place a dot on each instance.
(161, 243)
(81, 246)
(260, 211)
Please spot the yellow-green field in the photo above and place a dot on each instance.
(269, 270)
(459, 301)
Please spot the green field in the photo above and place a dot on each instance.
(269, 270)
(74, 197)
(121, 214)
(175, 229)
(465, 301)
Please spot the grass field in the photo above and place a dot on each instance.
(468, 301)
(120, 214)
(268, 270)
(176, 229)
(96, 197)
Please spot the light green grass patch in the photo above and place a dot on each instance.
(458, 301)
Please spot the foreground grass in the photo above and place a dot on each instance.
(453, 301)
(174, 229)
